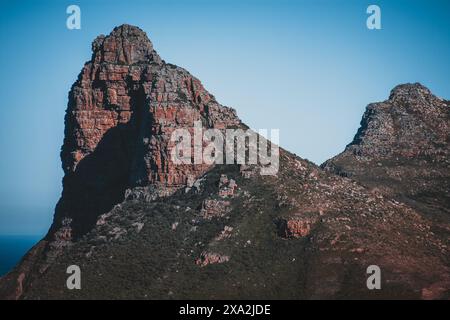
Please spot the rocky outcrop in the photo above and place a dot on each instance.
(208, 258)
(212, 208)
(411, 123)
(122, 110)
(225, 233)
(227, 187)
(401, 150)
(297, 226)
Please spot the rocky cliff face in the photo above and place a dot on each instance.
(121, 113)
(412, 123)
(140, 226)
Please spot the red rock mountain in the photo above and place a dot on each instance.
(121, 113)
(139, 226)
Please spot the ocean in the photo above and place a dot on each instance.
(13, 248)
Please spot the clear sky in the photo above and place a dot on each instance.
(308, 68)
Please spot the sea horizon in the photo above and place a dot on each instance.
(13, 248)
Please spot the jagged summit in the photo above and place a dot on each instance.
(126, 44)
(128, 30)
(410, 89)
(413, 95)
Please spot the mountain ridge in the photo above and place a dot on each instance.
(141, 227)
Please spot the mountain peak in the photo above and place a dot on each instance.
(126, 44)
(412, 122)
(410, 91)
(121, 112)
(128, 29)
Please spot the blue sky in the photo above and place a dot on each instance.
(308, 68)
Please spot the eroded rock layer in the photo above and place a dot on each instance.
(121, 113)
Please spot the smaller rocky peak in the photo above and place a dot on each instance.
(412, 94)
(409, 89)
(126, 45)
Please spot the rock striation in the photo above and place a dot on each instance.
(121, 112)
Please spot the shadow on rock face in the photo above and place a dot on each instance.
(100, 179)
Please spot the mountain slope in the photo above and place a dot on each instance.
(140, 226)
(401, 150)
